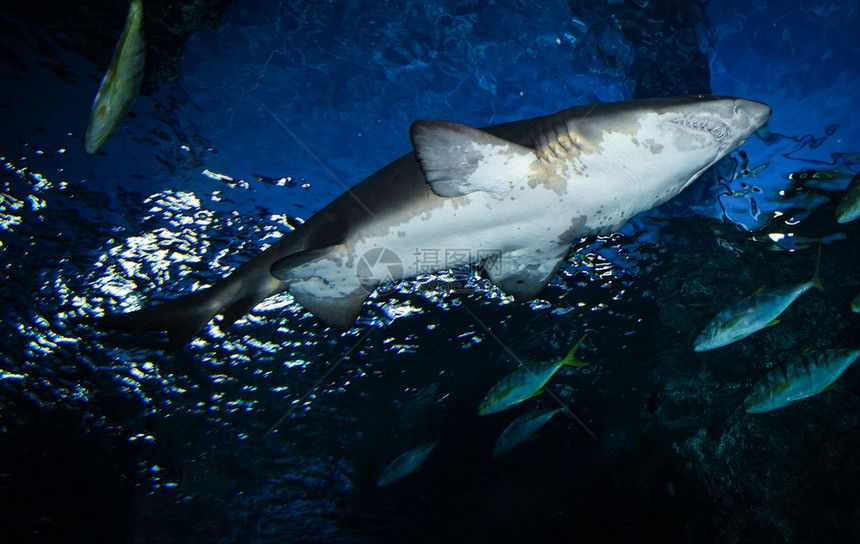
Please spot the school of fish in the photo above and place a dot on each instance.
(803, 376)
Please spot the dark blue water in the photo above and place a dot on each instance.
(276, 430)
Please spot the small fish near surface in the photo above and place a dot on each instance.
(849, 206)
(802, 378)
(521, 429)
(525, 382)
(855, 305)
(405, 464)
(512, 198)
(752, 314)
(121, 83)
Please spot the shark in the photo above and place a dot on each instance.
(509, 198)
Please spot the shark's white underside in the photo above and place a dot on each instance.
(520, 222)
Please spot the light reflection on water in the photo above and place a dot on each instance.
(181, 244)
(74, 248)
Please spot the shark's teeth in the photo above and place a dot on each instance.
(711, 125)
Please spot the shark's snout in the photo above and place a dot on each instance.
(757, 112)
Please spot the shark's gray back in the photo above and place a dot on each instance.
(400, 187)
(397, 189)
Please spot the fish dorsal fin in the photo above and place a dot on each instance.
(458, 160)
(829, 388)
(536, 393)
(524, 273)
(816, 279)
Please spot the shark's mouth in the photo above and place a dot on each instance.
(710, 125)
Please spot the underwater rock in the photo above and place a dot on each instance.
(756, 474)
(662, 47)
(749, 473)
(92, 28)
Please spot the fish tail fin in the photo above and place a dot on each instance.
(816, 279)
(182, 318)
(570, 359)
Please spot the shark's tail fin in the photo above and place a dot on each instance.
(182, 318)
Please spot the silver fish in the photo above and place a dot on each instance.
(405, 464)
(751, 314)
(525, 382)
(522, 429)
(849, 207)
(121, 83)
(802, 378)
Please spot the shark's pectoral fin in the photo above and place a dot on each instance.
(458, 160)
(524, 273)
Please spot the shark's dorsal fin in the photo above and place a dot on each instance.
(457, 160)
(524, 273)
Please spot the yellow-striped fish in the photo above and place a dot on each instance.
(521, 429)
(525, 382)
(405, 464)
(752, 314)
(849, 207)
(802, 378)
(121, 83)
